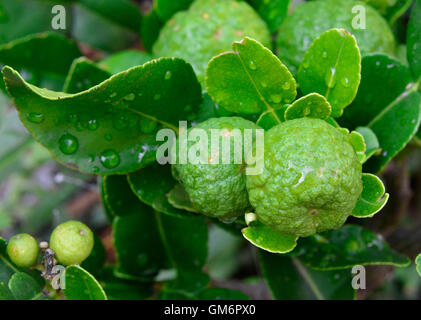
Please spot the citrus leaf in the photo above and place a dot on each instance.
(332, 67)
(249, 79)
(96, 259)
(414, 40)
(388, 104)
(84, 74)
(36, 58)
(5, 293)
(418, 264)
(167, 8)
(81, 285)
(269, 119)
(289, 279)
(24, 287)
(357, 141)
(393, 13)
(121, 12)
(179, 199)
(99, 130)
(273, 12)
(152, 185)
(346, 247)
(187, 285)
(124, 60)
(151, 26)
(370, 140)
(221, 294)
(269, 239)
(373, 197)
(312, 105)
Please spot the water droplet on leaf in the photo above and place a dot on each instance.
(168, 75)
(109, 159)
(35, 117)
(68, 144)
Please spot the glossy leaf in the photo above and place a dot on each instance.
(151, 26)
(414, 40)
(387, 104)
(312, 105)
(273, 12)
(178, 198)
(36, 56)
(167, 8)
(152, 185)
(96, 259)
(81, 285)
(124, 60)
(332, 67)
(370, 140)
(187, 286)
(373, 197)
(99, 130)
(269, 239)
(357, 141)
(269, 119)
(394, 12)
(346, 247)
(5, 293)
(24, 287)
(83, 75)
(249, 79)
(222, 294)
(289, 279)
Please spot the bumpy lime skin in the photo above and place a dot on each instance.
(311, 179)
(310, 19)
(207, 29)
(23, 250)
(72, 242)
(216, 190)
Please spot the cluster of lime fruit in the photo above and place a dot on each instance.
(71, 241)
(310, 182)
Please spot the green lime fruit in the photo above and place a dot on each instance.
(311, 179)
(23, 250)
(72, 242)
(207, 29)
(310, 19)
(215, 187)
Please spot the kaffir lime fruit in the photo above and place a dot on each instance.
(311, 179)
(207, 29)
(215, 188)
(23, 250)
(310, 19)
(72, 242)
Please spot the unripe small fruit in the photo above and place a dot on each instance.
(23, 250)
(72, 242)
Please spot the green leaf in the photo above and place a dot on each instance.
(269, 239)
(81, 285)
(270, 119)
(346, 247)
(332, 67)
(99, 131)
(418, 263)
(179, 199)
(124, 60)
(250, 79)
(152, 185)
(167, 8)
(393, 13)
(370, 140)
(187, 285)
(312, 105)
(96, 259)
(5, 293)
(121, 12)
(413, 39)
(388, 104)
(289, 279)
(373, 197)
(83, 75)
(357, 141)
(24, 287)
(119, 198)
(221, 294)
(7, 269)
(36, 58)
(273, 12)
(151, 26)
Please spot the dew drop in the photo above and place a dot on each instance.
(345, 82)
(109, 159)
(286, 85)
(121, 123)
(276, 98)
(68, 144)
(168, 75)
(252, 65)
(324, 54)
(108, 137)
(330, 78)
(112, 95)
(92, 125)
(264, 84)
(129, 97)
(35, 117)
(305, 64)
(306, 111)
(73, 118)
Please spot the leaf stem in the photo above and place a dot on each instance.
(306, 276)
